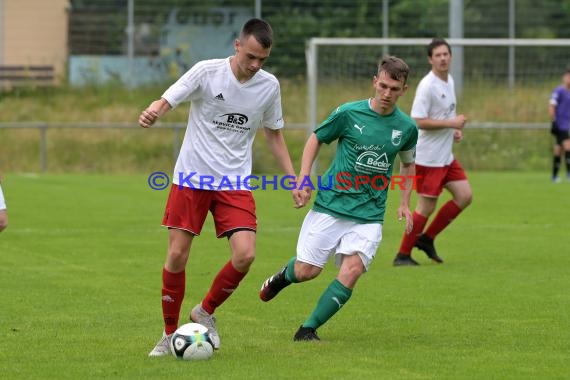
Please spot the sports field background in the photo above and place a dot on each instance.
(80, 277)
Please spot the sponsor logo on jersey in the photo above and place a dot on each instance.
(220, 97)
(235, 122)
(368, 147)
(396, 137)
(235, 118)
(372, 162)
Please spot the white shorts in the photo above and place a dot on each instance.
(323, 235)
(2, 202)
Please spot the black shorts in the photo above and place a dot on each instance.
(560, 136)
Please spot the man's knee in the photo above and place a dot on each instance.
(426, 206)
(351, 270)
(243, 260)
(176, 259)
(464, 199)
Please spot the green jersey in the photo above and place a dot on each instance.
(356, 184)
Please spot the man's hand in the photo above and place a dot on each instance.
(457, 135)
(459, 122)
(147, 118)
(404, 212)
(301, 196)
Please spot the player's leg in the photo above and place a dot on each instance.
(185, 213)
(234, 217)
(457, 184)
(311, 256)
(335, 296)
(173, 286)
(430, 185)
(293, 272)
(461, 191)
(556, 159)
(354, 253)
(361, 241)
(566, 147)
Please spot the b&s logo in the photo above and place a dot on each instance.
(232, 122)
(235, 118)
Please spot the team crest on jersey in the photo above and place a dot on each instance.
(396, 137)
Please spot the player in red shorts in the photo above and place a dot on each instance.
(231, 99)
(434, 109)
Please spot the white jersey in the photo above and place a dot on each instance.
(435, 99)
(224, 118)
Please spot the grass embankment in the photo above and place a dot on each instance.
(135, 150)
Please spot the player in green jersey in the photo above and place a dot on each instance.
(347, 216)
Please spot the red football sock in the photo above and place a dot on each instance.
(224, 284)
(173, 288)
(409, 240)
(445, 215)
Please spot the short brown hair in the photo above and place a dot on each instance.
(260, 30)
(395, 67)
(436, 42)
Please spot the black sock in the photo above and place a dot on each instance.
(555, 166)
(567, 157)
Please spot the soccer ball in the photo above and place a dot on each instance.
(191, 342)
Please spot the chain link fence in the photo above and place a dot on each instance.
(173, 34)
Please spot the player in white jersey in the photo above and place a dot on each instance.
(434, 109)
(231, 99)
(3, 212)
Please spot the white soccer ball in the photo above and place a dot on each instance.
(191, 342)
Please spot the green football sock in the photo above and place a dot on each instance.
(334, 297)
(290, 272)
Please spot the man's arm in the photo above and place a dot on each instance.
(409, 172)
(310, 152)
(278, 148)
(457, 122)
(277, 145)
(155, 110)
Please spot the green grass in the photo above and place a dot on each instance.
(80, 277)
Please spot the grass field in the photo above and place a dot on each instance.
(80, 277)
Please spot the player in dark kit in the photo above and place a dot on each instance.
(559, 112)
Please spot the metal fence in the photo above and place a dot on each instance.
(43, 139)
(472, 153)
(171, 34)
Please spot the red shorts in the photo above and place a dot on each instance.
(431, 180)
(232, 210)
